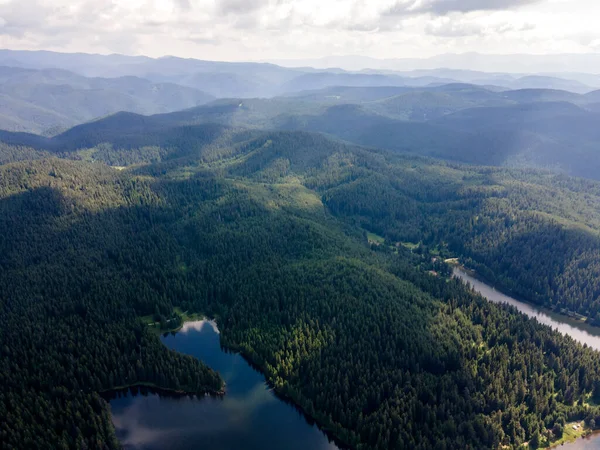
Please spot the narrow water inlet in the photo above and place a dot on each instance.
(249, 416)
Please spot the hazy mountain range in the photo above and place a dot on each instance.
(532, 127)
(517, 63)
(47, 100)
(494, 119)
(249, 79)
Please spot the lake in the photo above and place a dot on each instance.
(582, 332)
(579, 331)
(249, 416)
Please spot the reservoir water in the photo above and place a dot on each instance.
(250, 416)
(582, 332)
(577, 330)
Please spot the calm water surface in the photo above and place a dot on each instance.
(587, 443)
(578, 331)
(249, 416)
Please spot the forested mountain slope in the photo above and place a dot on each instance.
(555, 135)
(540, 128)
(464, 123)
(266, 231)
(551, 203)
(534, 233)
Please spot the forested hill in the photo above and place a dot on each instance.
(527, 128)
(483, 215)
(267, 232)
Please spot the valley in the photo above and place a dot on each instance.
(313, 227)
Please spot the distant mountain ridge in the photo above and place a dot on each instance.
(495, 119)
(47, 99)
(457, 122)
(253, 79)
(577, 65)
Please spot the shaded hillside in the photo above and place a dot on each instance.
(544, 95)
(428, 105)
(456, 122)
(521, 115)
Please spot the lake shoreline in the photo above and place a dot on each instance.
(575, 443)
(154, 388)
(160, 390)
(286, 398)
(297, 403)
(533, 311)
(249, 391)
(578, 323)
(282, 396)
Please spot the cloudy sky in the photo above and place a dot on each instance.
(282, 29)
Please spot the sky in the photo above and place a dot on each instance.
(298, 29)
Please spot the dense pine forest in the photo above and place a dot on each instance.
(536, 234)
(267, 232)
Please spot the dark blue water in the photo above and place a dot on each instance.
(249, 416)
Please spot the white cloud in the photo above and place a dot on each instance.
(448, 27)
(262, 29)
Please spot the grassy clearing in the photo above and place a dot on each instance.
(570, 434)
(289, 194)
(409, 245)
(375, 238)
(185, 316)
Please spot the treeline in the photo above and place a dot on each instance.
(11, 153)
